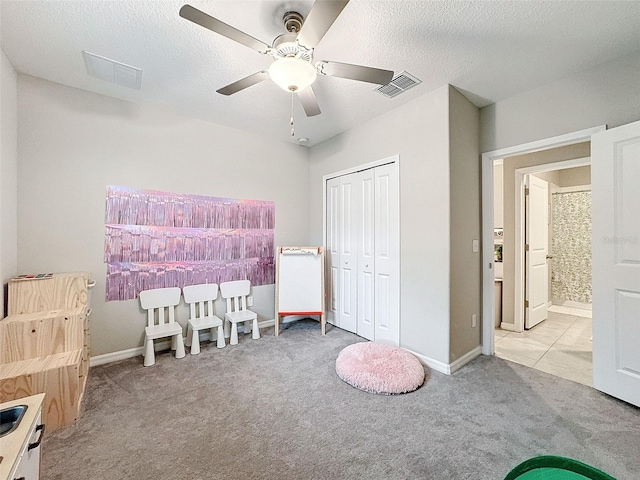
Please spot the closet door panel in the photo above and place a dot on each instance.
(348, 244)
(387, 248)
(332, 251)
(366, 254)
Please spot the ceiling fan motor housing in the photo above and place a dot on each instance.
(292, 22)
(285, 46)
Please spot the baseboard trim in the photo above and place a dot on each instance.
(117, 356)
(437, 365)
(466, 358)
(572, 304)
(508, 326)
(287, 319)
(158, 347)
(447, 368)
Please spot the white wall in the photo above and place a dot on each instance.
(419, 133)
(73, 143)
(606, 94)
(8, 174)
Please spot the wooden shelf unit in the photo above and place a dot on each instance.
(47, 351)
(61, 291)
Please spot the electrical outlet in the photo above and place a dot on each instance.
(250, 301)
(474, 320)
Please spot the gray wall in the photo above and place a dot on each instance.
(498, 208)
(465, 214)
(73, 143)
(8, 175)
(551, 177)
(606, 94)
(573, 177)
(419, 132)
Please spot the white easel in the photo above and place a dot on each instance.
(299, 283)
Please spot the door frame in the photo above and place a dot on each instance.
(394, 159)
(487, 217)
(519, 280)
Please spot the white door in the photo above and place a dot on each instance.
(615, 194)
(366, 204)
(537, 240)
(332, 254)
(349, 219)
(387, 255)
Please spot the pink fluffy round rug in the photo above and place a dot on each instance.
(379, 368)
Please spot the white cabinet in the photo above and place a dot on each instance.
(20, 448)
(29, 463)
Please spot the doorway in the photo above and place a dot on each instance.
(551, 329)
(616, 256)
(488, 277)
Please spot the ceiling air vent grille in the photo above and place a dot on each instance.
(112, 71)
(400, 83)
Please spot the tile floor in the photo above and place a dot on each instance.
(561, 345)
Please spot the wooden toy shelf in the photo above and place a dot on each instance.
(47, 351)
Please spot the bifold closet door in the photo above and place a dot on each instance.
(387, 255)
(332, 252)
(349, 213)
(364, 204)
(362, 249)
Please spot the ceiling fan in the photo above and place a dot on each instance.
(293, 69)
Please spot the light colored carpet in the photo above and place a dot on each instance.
(275, 409)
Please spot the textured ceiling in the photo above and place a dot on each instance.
(490, 50)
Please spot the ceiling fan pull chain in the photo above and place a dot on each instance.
(292, 130)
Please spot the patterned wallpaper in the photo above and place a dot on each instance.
(571, 247)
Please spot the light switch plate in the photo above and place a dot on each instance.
(475, 246)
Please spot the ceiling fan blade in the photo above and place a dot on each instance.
(243, 83)
(320, 18)
(356, 72)
(309, 103)
(196, 16)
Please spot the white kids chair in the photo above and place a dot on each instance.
(198, 297)
(158, 300)
(236, 295)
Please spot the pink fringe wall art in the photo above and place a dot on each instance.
(159, 239)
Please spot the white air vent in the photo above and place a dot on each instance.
(400, 83)
(112, 71)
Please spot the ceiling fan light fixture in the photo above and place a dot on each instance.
(292, 74)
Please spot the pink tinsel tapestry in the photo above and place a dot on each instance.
(159, 239)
